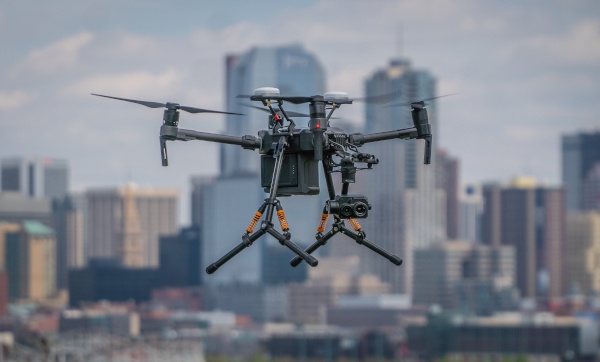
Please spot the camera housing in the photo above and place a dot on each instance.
(349, 206)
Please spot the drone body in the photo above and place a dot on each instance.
(290, 159)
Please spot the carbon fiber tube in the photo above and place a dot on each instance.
(360, 139)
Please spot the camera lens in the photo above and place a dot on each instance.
(360, 209)
(346, 210)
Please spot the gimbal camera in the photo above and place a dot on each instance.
(290, 158)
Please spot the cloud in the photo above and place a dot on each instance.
(11, 100)
(54, 57)
(133, 84)
(579, 46)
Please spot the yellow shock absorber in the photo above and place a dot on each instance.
(355, 224)
(323, 223)
(282, 220)
(250, 228)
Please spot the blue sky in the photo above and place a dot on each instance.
(525, 73)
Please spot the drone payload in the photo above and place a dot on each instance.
(290, 159)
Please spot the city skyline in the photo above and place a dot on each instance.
(519, 70)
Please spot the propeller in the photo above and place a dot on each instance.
(170, 106)
(330, 98)
(421, 103)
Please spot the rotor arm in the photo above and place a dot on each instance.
(173, 133)
(359, 139)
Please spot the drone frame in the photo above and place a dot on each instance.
(324, 150)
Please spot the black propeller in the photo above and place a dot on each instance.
(421, 103)
(338, 98)
(170, 106)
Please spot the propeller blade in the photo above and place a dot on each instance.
(200, 110)
(168, 105)
(143, 103)
(422, 100)
(381, 98)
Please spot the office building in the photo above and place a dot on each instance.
(333, 278)
(5, 228)
(583, 252)
(408, 210)
(180, 258)
(466, 277)
(16, 208)
(538, 337)
(448, 173)
(471, 210)
(35, 177)
(127, 222)
(531, 218)
(580, 152)
(31, 266)
(68, 222)
(590, 189)
(262, 303)
(106, 279)
(3, 293)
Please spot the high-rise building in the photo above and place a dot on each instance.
(531, 218)
(16, 207)
(583, 252)
(590, 189)
(180, 258)
(471, 210)
(68, 222)
(39, 177)
(580, 152)
(448, 180)
(407, 210)
(125, 223)
(230, 201)
(461, 275)
(3, 293)
(31, 266)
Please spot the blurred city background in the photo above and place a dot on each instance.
(103, 250)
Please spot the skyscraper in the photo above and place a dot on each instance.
(580, 153)
(31, 266)
(590, 189)
(68, 221)
(471, 209)
(230, 201)
(406, 212)
(583, 252)
(459, 274)
(448, 180)
(39, 177)
(530, 217)
(126, 223)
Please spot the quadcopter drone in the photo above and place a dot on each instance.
(290, 158)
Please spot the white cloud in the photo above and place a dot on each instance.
(580, 46)
(134, 84)
(55, 57)
(11, 100)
